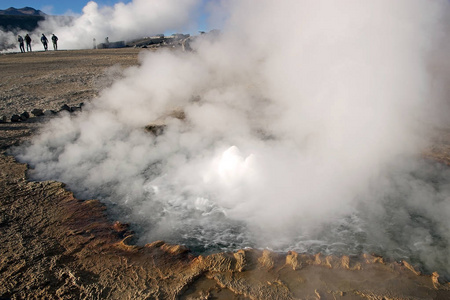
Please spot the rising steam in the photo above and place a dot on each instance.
(122, 22)
(304, 123)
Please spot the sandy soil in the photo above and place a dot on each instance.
(54, 246)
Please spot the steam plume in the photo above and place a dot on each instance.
(304, 124)
(122, 22)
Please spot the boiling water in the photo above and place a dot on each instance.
(402, 216)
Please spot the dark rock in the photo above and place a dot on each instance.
(24, 116)
(37, 112)
(3, 119)
(66, 107)
(75, 108)
(15, 118)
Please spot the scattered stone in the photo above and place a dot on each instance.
(37, 112)
(66, 107)
(15, 118)
(24, 116)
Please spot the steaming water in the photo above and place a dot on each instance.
(389, 220)
(394, 226)
(306, 141)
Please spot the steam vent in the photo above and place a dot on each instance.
(299, 151)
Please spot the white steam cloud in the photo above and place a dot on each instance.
(122, 22)
(303, 126)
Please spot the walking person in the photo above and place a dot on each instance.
(28, 41)
(55, 42)
(21, 45)
(44, 42)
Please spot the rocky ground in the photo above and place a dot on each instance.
(54, 246)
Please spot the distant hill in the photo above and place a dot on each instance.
(26, 11)
(14, 19)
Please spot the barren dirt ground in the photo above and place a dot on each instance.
(53, 246)
(50, 79)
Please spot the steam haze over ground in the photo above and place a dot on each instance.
(121, 22)
(304, 125)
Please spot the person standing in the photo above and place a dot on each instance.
(44, 42)
(55, 42)
(21, 46)
(28, 41)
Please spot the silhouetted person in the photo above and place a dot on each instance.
(28, 41)
(21, 45)
(44, 41)
(55, 42)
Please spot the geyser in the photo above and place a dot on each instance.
(304, 123)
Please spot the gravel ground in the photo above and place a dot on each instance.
(48, 80)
